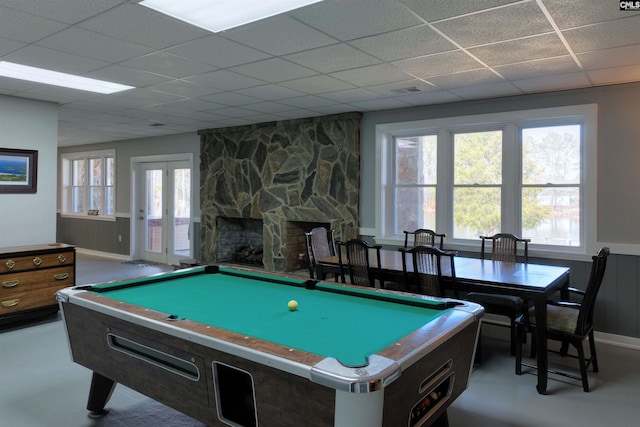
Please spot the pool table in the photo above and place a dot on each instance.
(221, 345)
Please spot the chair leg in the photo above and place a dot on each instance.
(583, 367)
(514, 337)
(592, 348)
(520, 333)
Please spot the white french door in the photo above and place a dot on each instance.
(164, 211)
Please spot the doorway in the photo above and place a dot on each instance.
(163, 223)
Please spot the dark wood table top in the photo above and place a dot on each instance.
(515, 275)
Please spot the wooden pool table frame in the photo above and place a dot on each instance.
(291, 387)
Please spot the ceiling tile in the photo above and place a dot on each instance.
(435, 10)
(307, 101)
(380, 104)
(402, 44)
(351, 95)
(93, 45)
(66, 11)
(218, 51)
(438, 64)
(317, 84)
(274, 70)
(465, 78)
(231, 98)
(127, 21)
(493, 90)
(430, 98)
(128, 76)
(553, 82)
(615, 75)
(270, 92)
(526, 49)
(225, 80)
(495, 25)
(566, 15)
(183, 88)
(356, 18)
(614, 57)
(25, 28)
(164, 63)
(54, 60)
(605, 35)
(332, 58)
(273, 36)
(372, 75)
(539, 68)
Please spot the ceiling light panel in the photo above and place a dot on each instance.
(223, 15)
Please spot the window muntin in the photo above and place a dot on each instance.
(89, 183)
(518, 189)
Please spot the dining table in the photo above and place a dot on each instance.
(535, 283)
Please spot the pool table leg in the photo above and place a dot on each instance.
(99, 394)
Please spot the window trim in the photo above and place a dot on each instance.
(66, 186)
(510, 122)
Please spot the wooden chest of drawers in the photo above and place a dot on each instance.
(30, 276)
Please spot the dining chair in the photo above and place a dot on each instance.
(359, 267)
(504, 247)
(570, 322)
(423, 236)
(320, 244)
(426, 275)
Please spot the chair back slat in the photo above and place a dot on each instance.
(358, 262)
(427, 269)
(424, 237)
(504, 247)
(598, 267)
(320, 244)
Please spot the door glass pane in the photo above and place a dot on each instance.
(153, 218)
(181, 212)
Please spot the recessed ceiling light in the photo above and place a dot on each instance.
(222, 15)
(41, 75)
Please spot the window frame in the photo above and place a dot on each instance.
(511, 123)
(67, 185)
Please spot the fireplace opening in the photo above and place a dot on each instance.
(240, 240)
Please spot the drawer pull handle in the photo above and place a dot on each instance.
(10, 283)
(62, 258)
(10, 264)
(37, 261)
(61, 276)
(10, 302)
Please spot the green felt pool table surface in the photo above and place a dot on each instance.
(331, 320)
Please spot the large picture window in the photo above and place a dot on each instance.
(88, 184)
(530, 173)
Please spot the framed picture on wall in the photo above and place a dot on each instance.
(18, 171)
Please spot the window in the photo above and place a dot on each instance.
(88, 184)
(531, 173)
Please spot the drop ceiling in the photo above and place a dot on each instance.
(331, 57)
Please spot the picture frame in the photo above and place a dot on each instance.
(18, 171)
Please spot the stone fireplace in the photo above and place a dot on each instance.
(290, 175)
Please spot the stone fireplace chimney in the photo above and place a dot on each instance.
(302, 171)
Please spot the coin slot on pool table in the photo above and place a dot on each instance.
(235, 396)
(154, 357)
